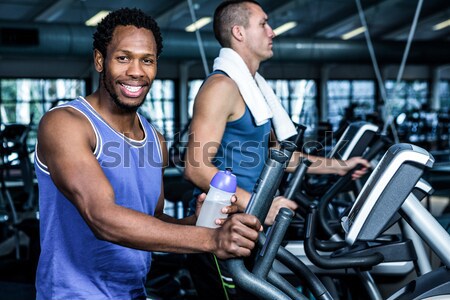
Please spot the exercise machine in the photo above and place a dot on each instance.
(393, 180)
(393, 190)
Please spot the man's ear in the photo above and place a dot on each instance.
(237, 32)
(98, 61)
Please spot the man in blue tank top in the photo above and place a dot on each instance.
(99, 166)
(227, 130)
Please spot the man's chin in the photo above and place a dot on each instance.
(127, 107)
(267, 57)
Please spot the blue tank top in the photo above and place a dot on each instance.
(244, 149)
(74, 264)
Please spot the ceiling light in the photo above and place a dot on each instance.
(198, 24)
(285, 27)
(441, 25)
(97, 18)
(353, 33)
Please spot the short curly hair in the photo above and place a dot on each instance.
(124, 17)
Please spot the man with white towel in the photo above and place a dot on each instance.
(236, 118)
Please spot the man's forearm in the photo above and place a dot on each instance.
(191, 220)
(319, 164)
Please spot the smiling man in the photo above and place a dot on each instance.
(102, 214)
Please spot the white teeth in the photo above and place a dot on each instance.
(132, 89)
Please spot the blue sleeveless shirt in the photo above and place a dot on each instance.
(244, 148)
(74, 264)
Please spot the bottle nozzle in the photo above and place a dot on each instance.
(225, 180)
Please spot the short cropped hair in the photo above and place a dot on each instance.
(124, 17)
(228, 14)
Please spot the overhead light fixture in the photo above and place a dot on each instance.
(97, 18)
(353, 33)
(285, 27)
(198, 24)
(441, 25)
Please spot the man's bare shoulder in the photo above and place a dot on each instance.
(64, 117)
(64, 125)
(218, 100)
(220, 83)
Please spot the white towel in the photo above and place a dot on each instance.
(257, 93)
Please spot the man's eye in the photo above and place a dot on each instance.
(147, 61)
(122, 58)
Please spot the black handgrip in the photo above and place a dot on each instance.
(297, 178)
(275, 235)
(377, 147)
(338, 262)
(298, 139)
(300, 270)
(328, 246)
(303, 272)
(327, 197)
(267, 185)
(288, 148)
(293, 143)
(285, 286)
(259, 205)
(288, 144)
(343, 181)
(249, 282)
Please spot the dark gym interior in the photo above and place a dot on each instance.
(383, 62)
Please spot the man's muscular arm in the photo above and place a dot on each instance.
(65, 144)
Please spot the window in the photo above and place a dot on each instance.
(444, 94)
(24, 101)
(350, 99)
(193, 87)
(299, 97)
(410, 95)
(159, 107)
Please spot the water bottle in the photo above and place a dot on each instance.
(222, 187)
